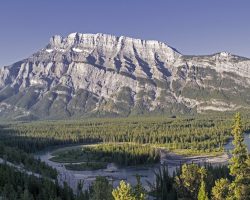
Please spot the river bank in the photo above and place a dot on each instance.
(170, 158)
(116, 173)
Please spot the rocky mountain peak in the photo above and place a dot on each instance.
(82, 43)
(224, 54)
(56, 41)
(101, 74)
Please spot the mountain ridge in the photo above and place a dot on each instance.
(104, 75)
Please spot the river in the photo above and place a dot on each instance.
(112, 172)
(229, 146)
(115, 173)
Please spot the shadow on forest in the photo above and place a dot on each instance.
(31, 144)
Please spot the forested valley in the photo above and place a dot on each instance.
(126, 141)
(200, 134)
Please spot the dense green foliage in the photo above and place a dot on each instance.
(101, 189)
(125, 192)
(239, 187)
(138, 190)
(134, 141)
(221, 189)
(163, 187)
(202, 195)
(189, 181)
(17, 185)
(186, 182)
(204, 134)
(240, 167)
(121, 154)
(26, 161)
(193, 182)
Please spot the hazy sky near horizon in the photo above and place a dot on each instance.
(190, 26)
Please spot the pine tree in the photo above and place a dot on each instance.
(139, 191)
(101, 189)
(189, 181)
(239, 167)
(163, 186)
(221, 189)
(202, 195)
(123, 192)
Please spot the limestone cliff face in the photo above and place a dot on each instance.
(98, 74)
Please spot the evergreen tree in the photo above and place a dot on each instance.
(202, 195)
(123, 192)
(189, 181)
(221, 189)
(239, 164)
(101, 189)
(139, 191)
(163, 188)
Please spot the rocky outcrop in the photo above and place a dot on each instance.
(104, 75)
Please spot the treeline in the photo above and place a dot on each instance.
(204, 134)
(185, 182)
(127, 154)
(121, 154)
(26, 161)
(191, 182)
(16, 185)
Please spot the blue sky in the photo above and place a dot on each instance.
(191, 26)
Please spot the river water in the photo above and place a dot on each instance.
(115, 173)
(112, 172)
(229, 146)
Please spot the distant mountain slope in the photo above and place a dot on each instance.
(104, 75)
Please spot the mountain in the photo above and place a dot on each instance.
(104, 75)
